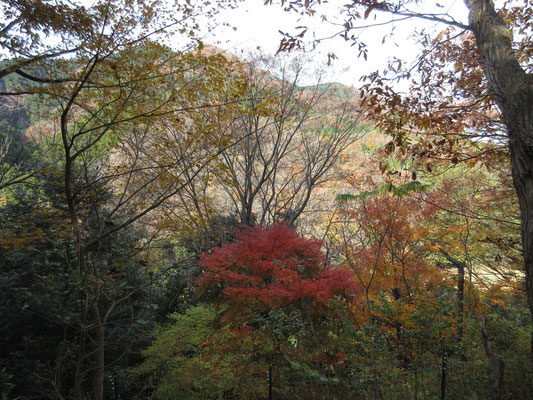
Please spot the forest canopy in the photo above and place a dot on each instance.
(178, 222)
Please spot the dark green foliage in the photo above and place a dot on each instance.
(41, 295)
(38, 294)
(176, 291)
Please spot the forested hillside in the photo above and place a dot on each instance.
(185, 224)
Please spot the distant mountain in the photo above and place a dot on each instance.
(337, 89)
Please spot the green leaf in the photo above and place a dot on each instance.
(397, 191)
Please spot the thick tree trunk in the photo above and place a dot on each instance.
(522, 164)
(512, 88)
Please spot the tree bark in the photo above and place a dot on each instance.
(93, 295)
(99, 341)
(78, 374)
(496, 364)
(460, 292)
(512, 89)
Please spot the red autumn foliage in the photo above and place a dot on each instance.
(270, 268)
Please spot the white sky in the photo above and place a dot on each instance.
(257, 25)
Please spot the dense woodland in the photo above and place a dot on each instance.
(180, 223)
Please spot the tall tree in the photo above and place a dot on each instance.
(113, 103)
(288, 139)
(112, 132)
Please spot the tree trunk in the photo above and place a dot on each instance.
(522, 164)
(512, 89)
(99, 341)
(496, 364)
(78, 374)
(460, 292)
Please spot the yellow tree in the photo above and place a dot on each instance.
(112, 132)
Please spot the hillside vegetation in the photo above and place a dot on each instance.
(188, 225)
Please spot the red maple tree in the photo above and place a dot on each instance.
(272, 268)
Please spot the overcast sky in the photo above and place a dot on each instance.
(258, 25)
(253, 25)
